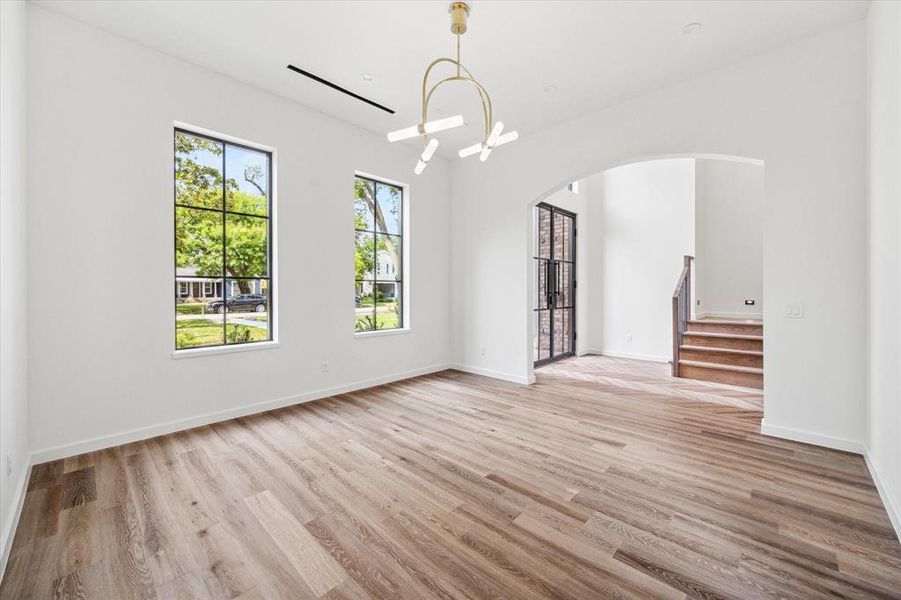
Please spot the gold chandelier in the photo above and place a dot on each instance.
(459, 12)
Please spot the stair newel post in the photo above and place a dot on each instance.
(687, 265)
(675, 336)
(681, 309)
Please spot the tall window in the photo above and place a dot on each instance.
(378, 251)
(223, 252)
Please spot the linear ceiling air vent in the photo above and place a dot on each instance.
(339, 88)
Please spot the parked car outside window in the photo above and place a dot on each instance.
(240, 303)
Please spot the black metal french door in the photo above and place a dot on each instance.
(555, 274)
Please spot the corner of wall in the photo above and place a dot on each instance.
(12, 521)
(891, 505)
(883, 255)
(14, 405)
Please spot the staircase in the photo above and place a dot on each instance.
(714, 349)
(723, 351)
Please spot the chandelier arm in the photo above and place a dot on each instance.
(437, 61)
(483, 93)
(486, 100)
(483, 96)
(428, 71)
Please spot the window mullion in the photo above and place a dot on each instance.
(375, 262)
(224, 256)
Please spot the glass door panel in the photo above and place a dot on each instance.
(541, 266)
(543, 245)
(567, 334)
(544, 334)
(557, 323)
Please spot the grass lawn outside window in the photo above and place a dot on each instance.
(207, 331)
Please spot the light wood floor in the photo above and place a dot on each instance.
(606, 478)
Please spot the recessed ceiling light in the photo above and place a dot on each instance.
(691, 28)
(550, 89)
(367, 77)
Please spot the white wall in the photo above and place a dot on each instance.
(13, 298)
(800, 109)
(577, 203)
(884, 452)
(100, 247)
(729, 242)
(642, 224)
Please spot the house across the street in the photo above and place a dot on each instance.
(190, 287)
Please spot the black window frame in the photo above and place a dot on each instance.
(400, 275)
(224, 277)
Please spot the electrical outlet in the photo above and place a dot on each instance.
(9, 464)
(482, 351)
(628, 338)
(324, 366)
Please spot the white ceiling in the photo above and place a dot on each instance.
(593, 53)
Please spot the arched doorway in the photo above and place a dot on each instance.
(672, 232)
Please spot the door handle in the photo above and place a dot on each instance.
(557, 279)
(550, 284)
(547, 284)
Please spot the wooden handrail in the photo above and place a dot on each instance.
(682, 279)
(681, 309)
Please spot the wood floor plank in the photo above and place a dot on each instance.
(311, 560)
(78, 487)
(189, 586)
(125, 555)
(607, 478)
(601, 558)
(223, 562)
(86, 582)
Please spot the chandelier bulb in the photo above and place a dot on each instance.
(425, 128)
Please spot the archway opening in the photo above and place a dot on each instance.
(633, 225)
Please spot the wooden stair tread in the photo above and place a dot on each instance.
(726, 322)
(721, 367)
(725, 350)
(737, 336)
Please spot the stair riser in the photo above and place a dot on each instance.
(736, 344)
(752, 380)
(726, 328)
(726, 358)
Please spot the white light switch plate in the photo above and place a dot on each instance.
(793, 311)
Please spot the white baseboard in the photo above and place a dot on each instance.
(9, 528)
(493, 374)
(729, 315)
(143, 433)
(893, 510)
(632, 355)
(809, 437)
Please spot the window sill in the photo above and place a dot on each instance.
(197, 352)
(381, 332)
